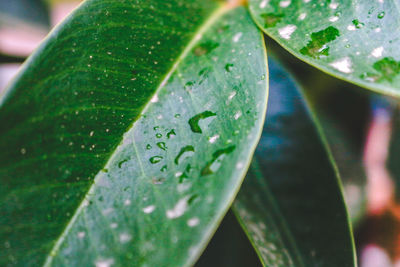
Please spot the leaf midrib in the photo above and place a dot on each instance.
(214, 16)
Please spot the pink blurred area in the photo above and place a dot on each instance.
(21, 39)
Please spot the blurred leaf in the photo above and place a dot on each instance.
(129, 136)
(229, 247)
(353, 40)
(291, 204)
(350, 167)
(26, 11)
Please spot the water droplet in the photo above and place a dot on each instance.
(388, 68)
(149, 209)
(216, 161)
(317, 46)
(155, 159)
(164, 168)
(177, 115)
(162, 145)
(271, 19)
(158, 135)
(148, 146)
(229, 67)
(205, 48)
(122, 162)
(184, 153)
(381, 15)
(189, 85)
(358, 24)
(159, 180)
(171, 134)
(194, 121)
(203, 73)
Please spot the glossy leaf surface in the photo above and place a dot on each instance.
(126, 136)
(354, 40)
(290, 203)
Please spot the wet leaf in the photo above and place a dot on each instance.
(352, 40)
(94, 122)
(290, 203)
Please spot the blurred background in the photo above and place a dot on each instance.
(361, 128)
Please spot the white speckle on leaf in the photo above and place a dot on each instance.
(333, 19)
(183, 187)
(179, 209)
(113, 225)
(333, 5)
(284, 3)
(177, 174)
(213, 138)
(287, 31)
(377, 30)
(193, 222)
(236, 37)
(107, 211)
(343, 65)
(232, 95)
(238, 115)
(103, 182)
(81, 234)
(149, 209)
(264, 3)
(154, 99)
(239, 165)
(104, 262)
(125, 237)
(351, 28)
(302, 16)
(127, 202)
(377, 52)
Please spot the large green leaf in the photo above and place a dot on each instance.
(291, 204)
(354, 40)
(126, 136)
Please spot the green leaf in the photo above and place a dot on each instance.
(291, 204)
(353, 40)
(102, 159)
